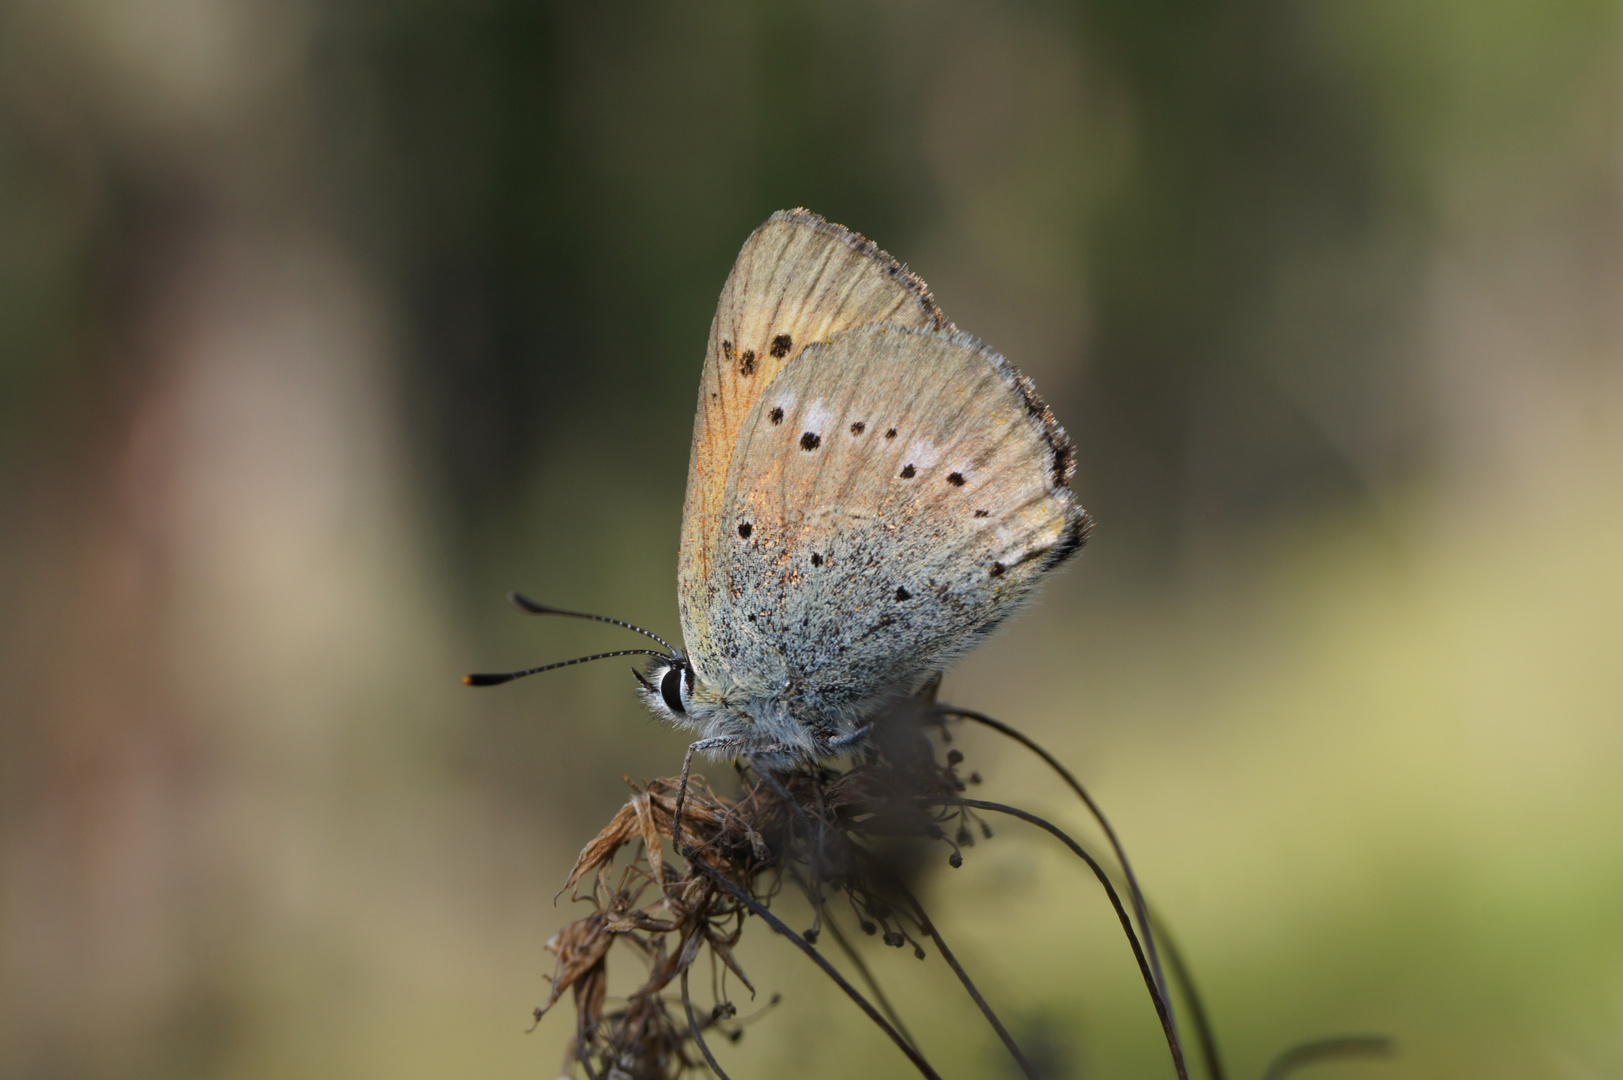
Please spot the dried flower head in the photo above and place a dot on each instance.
(857, 833)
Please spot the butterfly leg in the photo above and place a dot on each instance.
(838, 743)
(720, 742)
(756, 756)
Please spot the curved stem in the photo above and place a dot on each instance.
(1197, 1008)
(867, 976)
(1324, 1050)
(698, 1037)
(1161, 1010)
(818, 958)
(1139, 908)
(963, 976)
(1156, 936)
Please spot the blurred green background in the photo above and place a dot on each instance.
(325, 322)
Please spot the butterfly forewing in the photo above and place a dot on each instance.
(895, 495)
(798, 280)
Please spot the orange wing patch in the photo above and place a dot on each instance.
(798, 280)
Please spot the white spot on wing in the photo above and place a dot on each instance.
(816, 417)
(922, 454)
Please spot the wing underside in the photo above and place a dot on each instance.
(895, 494)
(798, 281)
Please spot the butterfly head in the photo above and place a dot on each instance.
(675, 691)
(668, 687)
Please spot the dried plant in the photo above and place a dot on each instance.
(860, 837)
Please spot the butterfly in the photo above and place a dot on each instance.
(871, 492)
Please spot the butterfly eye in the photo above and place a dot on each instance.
(670, 687)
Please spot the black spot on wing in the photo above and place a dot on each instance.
(744, 530)
(997, 569)
(955, 479)
(858, 428)
(781, 345)
(776, 416)
(891, 434)
(746, 363)
(811, 441)
(982, 513)
(903, 594)
(908, 472)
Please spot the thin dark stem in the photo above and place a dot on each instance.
(1197, 1008)
(1326, 1049)
(1156, 996)
(818, 958)
(867, 977)
(963, 976)
(698, 1037)
(1139, 908)
(582, 1043)
(1154, 942)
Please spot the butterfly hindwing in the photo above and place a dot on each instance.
(895, 494)
(798, 280)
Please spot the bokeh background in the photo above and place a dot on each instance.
(325, 322)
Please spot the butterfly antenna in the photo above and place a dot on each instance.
(525, 604)
(508, 676)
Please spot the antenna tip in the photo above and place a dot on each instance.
(485, 680)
